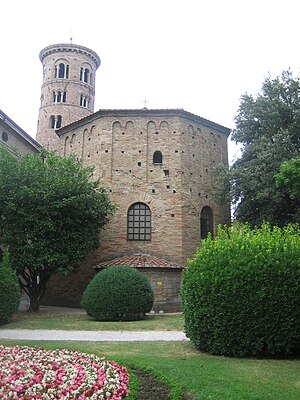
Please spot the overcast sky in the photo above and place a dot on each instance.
(193, 54)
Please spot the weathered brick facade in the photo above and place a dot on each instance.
(164, 159)
(14, 138)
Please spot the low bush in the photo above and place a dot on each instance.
(118, 294)
(241, 292)
(9, 290)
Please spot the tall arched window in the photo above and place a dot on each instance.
(157, 157)
(139, 222)
(84, 75)
(206, 222)
(55, 121)
(62, 71)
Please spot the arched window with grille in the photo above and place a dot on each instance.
(139, 222)
(157, 157)
(206, 222)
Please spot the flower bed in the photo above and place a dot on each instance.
(35, 373)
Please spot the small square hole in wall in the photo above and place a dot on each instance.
(110, 190)
(89, 139)
(123, 133)
(89, 155)
(139, 164)
(141, 133)
(130, 170)
(176, 151)
(156, 133)
(168, 186)
(172, 215)
(151, 170)
(97, 152)
(122, 151)
(166, 172)
(106, 151)
(140, 151)
(153, 190)
(199, 194)
(206, 196)
(174, 191)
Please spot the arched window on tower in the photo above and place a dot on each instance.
(62, 71)
(52, 122)
(55, 121)
(84, 75)
(206, 222)
(58, 121)
(139, 222)
(157, 158)
(83, 101)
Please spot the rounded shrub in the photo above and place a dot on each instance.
(9, 290)
(241, 292)
(117, 294)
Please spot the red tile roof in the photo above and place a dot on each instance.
(139, 261)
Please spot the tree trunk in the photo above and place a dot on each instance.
(34, 285)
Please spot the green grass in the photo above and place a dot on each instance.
(205, 376)
(26, 320)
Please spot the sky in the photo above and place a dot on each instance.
(199, 55)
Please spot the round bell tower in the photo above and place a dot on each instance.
(68, 89)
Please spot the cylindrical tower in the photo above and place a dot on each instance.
(68, 89)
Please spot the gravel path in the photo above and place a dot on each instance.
(93, 336)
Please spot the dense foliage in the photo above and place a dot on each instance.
(117, 294)
(289, 177)
(268, 128)
(50, 216)
(9, 290)
(241, 292)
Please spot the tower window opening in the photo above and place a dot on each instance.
(157, 157)
(84, 75)
(55, 121)
(206, 222)
(83, 101)
(62, 71)
(59, 97)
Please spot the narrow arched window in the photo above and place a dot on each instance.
(58, 96)
(86, 75)
(206, 222)
(58, 121)
(52, 121)
(61, 70)
(157, 157)
(139, 222)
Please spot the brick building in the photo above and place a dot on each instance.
(158, 166)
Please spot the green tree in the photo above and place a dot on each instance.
(289, 177)
(268, 127)
(50, 216)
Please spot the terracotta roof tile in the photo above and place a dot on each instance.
(139, 261)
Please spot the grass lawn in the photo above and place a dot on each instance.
(205, 376)
(48, 320)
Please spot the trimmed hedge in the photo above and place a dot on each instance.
(9, 290)
(117, 294)
(241, 292)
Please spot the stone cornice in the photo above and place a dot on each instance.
(145, 112)
(70, 47)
